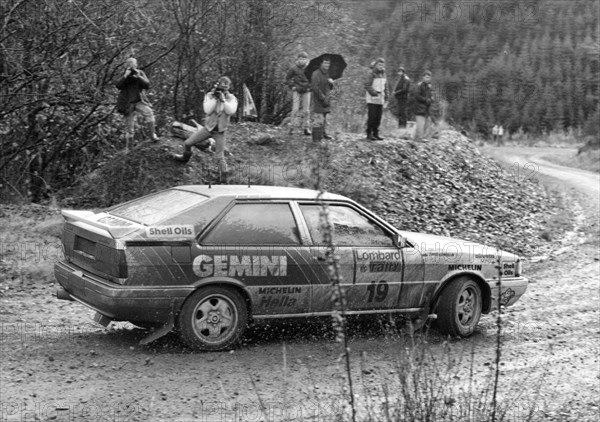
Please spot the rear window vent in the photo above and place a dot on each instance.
(114, 221)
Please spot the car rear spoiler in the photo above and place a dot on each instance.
(116, 227)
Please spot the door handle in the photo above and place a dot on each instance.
(320, 257)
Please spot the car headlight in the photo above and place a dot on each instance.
(518, 268)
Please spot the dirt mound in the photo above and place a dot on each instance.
(440, 186)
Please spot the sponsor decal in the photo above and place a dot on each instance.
(507, 296)
(171, 231)
(270, 301)
(509, 269)
(279, 290)
(277, 302)
(379, 256)
(240, 266)
(464, 267)
(485, 256)
(384, 266)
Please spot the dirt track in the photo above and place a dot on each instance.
(57, 365)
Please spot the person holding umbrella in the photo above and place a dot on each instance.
(376, 96)
(321, 85)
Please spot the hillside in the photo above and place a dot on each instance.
(441, 186)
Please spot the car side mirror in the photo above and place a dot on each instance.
(399, 241)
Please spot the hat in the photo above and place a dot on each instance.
(380, 60)
(427, 73)
(302, 55)
(401, 69)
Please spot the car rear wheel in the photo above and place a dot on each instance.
(459, 307)
(213, 318)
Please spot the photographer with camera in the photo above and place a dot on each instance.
(219, 105)
(133, 101)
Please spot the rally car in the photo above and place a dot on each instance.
(206, 260)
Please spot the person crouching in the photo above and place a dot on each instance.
(219, 105)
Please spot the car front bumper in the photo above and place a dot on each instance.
(512, 288)
(120, 302)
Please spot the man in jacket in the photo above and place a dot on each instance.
(133, 101)
(321, 85)
(401, 93)
(423, 100)
(219, 105)
(376, 97)
(300, 87)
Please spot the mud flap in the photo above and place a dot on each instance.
(164, 330)
(159, 332)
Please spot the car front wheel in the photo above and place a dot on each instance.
(459, 307)
(213, 318)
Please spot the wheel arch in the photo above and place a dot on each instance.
(486, 291)
(223, 282)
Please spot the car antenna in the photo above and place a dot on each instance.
(209, 184)
(248, 180)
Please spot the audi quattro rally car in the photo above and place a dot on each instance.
(207, 260)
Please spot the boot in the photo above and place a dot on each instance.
(307, 132)
(370, 136)
(326, 136)
(376, 136)
(185, 157)
(152, 130)
(317, 134)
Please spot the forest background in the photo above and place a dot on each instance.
(531, 66)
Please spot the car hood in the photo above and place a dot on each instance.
(452, 248)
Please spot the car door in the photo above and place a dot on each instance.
(370, 264)
(256, 244)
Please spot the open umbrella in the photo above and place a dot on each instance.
(336, 68)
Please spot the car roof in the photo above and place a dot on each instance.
(258, 191)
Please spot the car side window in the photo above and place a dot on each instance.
(255, 224)
(350, 228)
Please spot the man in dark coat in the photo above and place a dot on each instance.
(133, 101)
(423, 100)
(401, 94)
(300, 87)
(321, 85)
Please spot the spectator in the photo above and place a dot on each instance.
(219, 105)
(500, 135)
(401, 94)
(495, 134)
(376, 96)
(133, 101)
(321, 85)
(423, 100)
(300, 86)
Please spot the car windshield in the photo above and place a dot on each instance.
(153, 209)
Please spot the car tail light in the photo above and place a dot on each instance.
(518, 268)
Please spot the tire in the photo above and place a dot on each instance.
(213, 318)
(459, 307)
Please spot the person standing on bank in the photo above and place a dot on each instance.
(376, 96)
(219, 105)
(401, 93)
(321, 85)
(300, 86)
(133, 101)
(495, 134)
(500, 135)
(423, 100)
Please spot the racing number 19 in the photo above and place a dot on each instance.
(377, 291)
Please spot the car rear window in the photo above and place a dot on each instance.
(155, 208)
